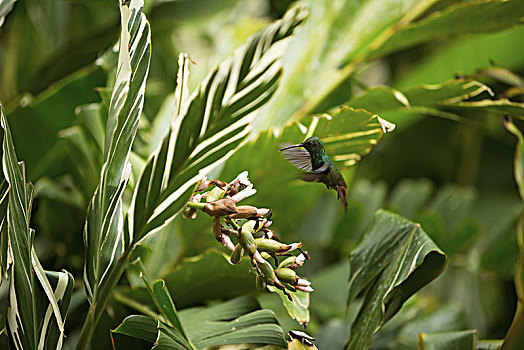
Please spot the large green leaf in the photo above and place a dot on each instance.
(38, 299)
(207, 127)
(318, 63)
(457, 19)
(395, 259)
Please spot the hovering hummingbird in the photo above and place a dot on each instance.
(317, 165)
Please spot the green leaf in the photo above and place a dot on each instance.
(461, 340)
(458, 19)
(349, 134)
(104, 234)
(405, 105)
(210, 125)
(395, 259)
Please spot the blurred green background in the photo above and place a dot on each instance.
(455, 178)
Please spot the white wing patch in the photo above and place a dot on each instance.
(299, 157)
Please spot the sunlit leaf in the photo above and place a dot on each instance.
(319, 62)
(103, 233)
(457, 19)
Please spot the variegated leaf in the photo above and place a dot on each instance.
(38, 299)
(209, 126)
(103, 233)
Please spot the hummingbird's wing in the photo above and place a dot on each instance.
(299, 157)
(316, 175)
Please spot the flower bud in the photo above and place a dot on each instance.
(268, 274)
(221, 207)
(273, 247)
(237, 254)
(247, 242)
(292, 262)
(287, 275)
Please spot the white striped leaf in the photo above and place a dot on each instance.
(38, 299)
(209, 126)
(103, 232)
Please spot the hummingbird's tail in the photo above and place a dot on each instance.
(341, 194)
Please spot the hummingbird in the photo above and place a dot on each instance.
(317, 166)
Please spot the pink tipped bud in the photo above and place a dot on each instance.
(305, 289)
(302, 282)
(300, 259)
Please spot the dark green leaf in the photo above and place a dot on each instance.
(395, 259)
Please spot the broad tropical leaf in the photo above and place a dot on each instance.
(319, 65)
(38, 299)
(457, 19)
(104, 233)
(209, 126)
(394, 260)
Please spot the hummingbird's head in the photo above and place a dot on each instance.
(313, 145)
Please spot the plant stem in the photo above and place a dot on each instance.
(100, 300)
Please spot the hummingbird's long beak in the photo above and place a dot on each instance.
(292, 146)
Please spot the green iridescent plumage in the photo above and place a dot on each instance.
(317, 165)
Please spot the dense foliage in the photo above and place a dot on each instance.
(114, 111)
